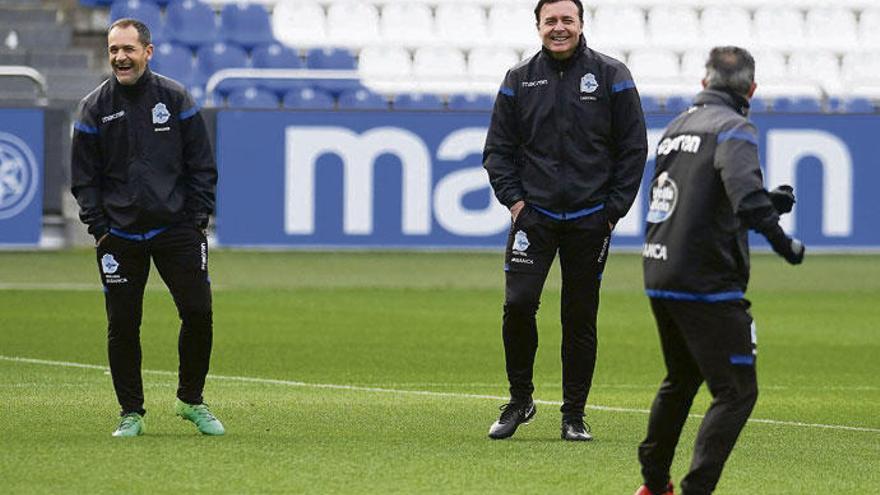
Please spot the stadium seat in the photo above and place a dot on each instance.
(277, 56)
(490, 64)
(332, 59)
(440, 69)
(461, 25)
(678, 104)
(298, 23)
(654, 63)
(674, 26)
(817, 67)
(619, 27)
(650, 104)
(860, 72)
(693, 64)
(191, 23)
(409, 24)
(417, 101)
(857, 105)
(362, 99)
(869, 28)
(797, 105)
(779, 27)
(386, 69)
(725, 25)
(143, 10)
(514, 27)
(471, 102)
(832, 28)
(252, 98)
(308, 99)
(352, 24)
(174, 61)
(246, 24)
(217, 56)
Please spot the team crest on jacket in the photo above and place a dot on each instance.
(589, 83)
(520, 241)
(664, 197)
(160, 113)
(109, 264)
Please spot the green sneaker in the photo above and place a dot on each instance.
(201, 416)
(131, 425)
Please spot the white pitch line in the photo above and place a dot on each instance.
(424, 393)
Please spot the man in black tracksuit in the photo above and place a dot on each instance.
(565, 153)
(707, 192)
(144, 175)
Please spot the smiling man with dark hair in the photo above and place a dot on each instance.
(565, 154)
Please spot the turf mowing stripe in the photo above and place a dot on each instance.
(355, 388)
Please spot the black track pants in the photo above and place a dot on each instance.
(181, 256)
(532, 244)
(701, 341)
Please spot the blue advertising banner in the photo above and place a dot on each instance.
(21, 181)
(415, 179)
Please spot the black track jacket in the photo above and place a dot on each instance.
(707, 191)
(141, 157)
(567, 135)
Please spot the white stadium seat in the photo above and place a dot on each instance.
(438, 69)
(386, 70)
(408, 23)
(513, 27)
(618, 27)
(832, 28)
(869, 28)
(654, 63)
(352, 24)
(725, 25)
(674, 27)
(487, 66)
(299, 23)
(817, 67)
(461, 25)
(779, 27)
(861, 74)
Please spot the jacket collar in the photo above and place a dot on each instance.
(564, 64)
(133, 89)
(718, 97)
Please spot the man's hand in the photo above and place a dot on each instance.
(101, 239)
(516, 208)
(782, 198)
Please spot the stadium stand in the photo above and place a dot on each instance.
(308, 99)
(805, 48)
(417, 101)
(252, 98)
(362, 99)
(143, 10)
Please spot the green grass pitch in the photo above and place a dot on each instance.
(381, 373)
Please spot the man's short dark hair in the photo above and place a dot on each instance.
(144, 35)
(730, 68)
(542, 3)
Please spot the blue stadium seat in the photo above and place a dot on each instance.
(471, 102)
(217, 56)
(857, 105)
(362, 99)
(797, 105)
(252, 98)
(308, 99)
(143, 10)
(677, 104)
(191, 23)
(333, 59)
(759, 105)
(650, 104)
(278, 56)
(246, 24)
(418, 101)
(174, 61)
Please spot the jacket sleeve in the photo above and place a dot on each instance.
(200, 169)
(736, 158)
(86, 166)
(629, 145)
(502, 146)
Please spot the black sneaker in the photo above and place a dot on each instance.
(513, 414)
(574, 429)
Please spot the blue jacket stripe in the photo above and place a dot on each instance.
(742, 359)
(189, 113)
(84, 128)
(736, 134)
(569, 215)
(506, 91)
(146, 236)
(693, 296)
(623, 86)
